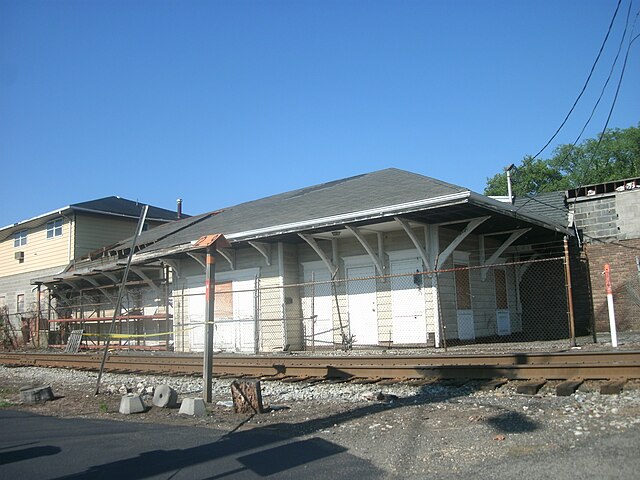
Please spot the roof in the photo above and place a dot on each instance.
(123, 207)
(370, 198)
(114, 206)
(551, 205)
(375, 195)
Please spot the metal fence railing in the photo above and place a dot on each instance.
(461, 305)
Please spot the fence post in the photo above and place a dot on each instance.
(612, 314)
(567, 275)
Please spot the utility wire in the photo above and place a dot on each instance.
(615, 61)
(585, 83)
(615, 98)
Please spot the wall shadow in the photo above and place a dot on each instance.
(12, 456)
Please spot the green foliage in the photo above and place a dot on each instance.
(615, 157)
(104, 408)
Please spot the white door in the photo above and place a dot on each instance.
(234, 316)
(361, 299)
(407, 302)
(196, 305)
(243, 314)
(317, 304)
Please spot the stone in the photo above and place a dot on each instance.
(165, 397)
(193, 406)
(36, 394)
(131, 403)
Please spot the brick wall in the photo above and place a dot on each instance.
(621, 256)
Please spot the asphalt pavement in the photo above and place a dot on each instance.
(39, 447)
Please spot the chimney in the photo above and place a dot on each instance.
(179, 208)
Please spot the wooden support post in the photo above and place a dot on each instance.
(247, 396)
(209, 288)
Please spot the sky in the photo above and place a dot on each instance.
(221, 102)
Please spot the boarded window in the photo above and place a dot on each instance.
(20, 303)
(501, 289)
(223, 307)
(463, 289)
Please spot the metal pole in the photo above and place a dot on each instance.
(116, 308)
(567, 274)
(209, 289)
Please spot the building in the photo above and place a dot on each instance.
(51, 243)
(607, 216)
(351, 262)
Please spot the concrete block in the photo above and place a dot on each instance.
(36, 394)
(131, 403)
(193, 406)
(165, 397)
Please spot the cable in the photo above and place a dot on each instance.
(615, 98)
(585, 83)
(615, 60)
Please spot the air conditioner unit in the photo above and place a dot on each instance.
(19, 256)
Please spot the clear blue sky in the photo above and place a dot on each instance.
(219, 102)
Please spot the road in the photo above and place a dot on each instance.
(39, 447)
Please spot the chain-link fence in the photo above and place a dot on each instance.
(461, 305)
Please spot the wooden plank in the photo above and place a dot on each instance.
(568, 387)
(613, 387)
(489, 385)
(531, 387)
(247, 396)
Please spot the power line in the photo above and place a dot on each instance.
(615, 61)
(585, 83)
(615, 98)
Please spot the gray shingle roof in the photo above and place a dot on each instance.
(551, 205)
(121, 206)
(373, 190)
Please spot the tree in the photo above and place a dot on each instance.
(615, 156)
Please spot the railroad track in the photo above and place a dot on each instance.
(519, 366)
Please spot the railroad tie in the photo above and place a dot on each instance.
(568, 387)
(613, 387)
(531, 387)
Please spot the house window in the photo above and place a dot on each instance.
(501, 289)
(20, 238)
(20, 303)
(54, 228)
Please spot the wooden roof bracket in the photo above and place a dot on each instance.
(147, 280)
(515, 235)
(406, 226)
(198, 257)
(333, 269)
(376, 258)
(264, 249)
(471, 226)
(229, 254)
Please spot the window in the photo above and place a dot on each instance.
(502, 302)
(54, 229)
(463, 288)
(20, 303)
(20, 238)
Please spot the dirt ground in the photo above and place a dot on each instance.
(440, 430)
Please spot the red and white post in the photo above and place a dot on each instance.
(612, 315)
